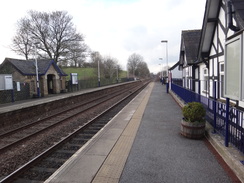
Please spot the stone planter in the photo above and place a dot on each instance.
(192, 130)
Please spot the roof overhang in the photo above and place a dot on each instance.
(209, 25)
(175, 65)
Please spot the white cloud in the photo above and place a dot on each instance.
(117, 28)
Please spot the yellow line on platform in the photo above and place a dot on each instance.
(113, 166)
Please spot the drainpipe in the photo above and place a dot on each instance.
(230, 13)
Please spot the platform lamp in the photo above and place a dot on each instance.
(161, 71)
(117, 73)
(167, 83)
(98, 70)
(37, 76)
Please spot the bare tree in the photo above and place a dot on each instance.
(95, 58)
(77, 55)
(137, 66)
(142, 70)
(133, 62)
(55, 33)
(110, 67)
(22, 42)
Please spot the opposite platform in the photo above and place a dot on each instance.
(21, 104)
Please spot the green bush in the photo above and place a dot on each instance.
(194, 112)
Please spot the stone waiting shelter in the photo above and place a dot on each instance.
(51, 77)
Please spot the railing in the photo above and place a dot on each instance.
(93, 83)
(22, 93)
(177, 81)
(225, 119)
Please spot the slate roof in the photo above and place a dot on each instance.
(239, 12)
(27, 67)
(189, 45)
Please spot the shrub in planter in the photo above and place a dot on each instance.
(194, 112)
(193, 122)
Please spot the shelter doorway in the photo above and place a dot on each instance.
(50, 83)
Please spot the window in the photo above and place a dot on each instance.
(222, 68)
(233, 68)
(188, 83)
(222, 80)
(205, 80)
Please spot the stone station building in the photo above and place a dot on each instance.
(51, 77)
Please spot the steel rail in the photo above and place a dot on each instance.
(71, 115)
(10, 132)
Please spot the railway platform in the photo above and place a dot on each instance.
(38, 101)
(143, 144)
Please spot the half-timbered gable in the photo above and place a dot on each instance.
(211, 45)
(222, 19)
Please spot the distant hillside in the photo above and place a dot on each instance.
(83, 73)
(86, 73)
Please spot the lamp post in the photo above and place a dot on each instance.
(98, 69)
(98, 73)
(167, 83)
(161, 72)
(127, 73)
(117, 73)
(165, 41)
(37, 76)
(96, 58)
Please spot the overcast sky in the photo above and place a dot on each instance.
(116, 28)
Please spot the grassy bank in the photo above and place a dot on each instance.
(86, 73)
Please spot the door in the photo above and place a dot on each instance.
(50, 83)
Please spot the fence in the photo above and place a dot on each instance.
(92, 83)
(225, 119)
(7, 96)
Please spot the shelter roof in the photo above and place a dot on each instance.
(27, 67)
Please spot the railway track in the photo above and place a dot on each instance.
(23, 133)
(42, 166)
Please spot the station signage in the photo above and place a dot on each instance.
(74, 78)
(6, 82)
